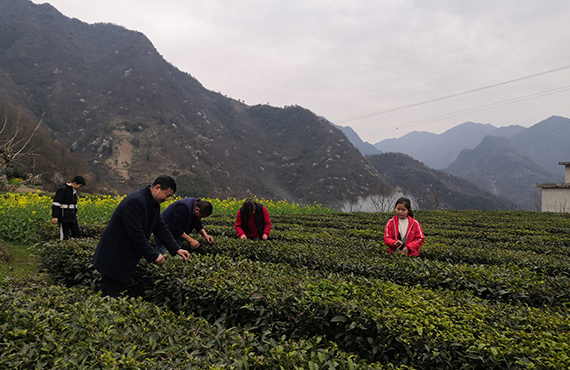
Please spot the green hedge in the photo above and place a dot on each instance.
(44, 326)
(474, 251)
(330, 275)
(46, 231)
(507, 282)
(352, 243)
(376, 319)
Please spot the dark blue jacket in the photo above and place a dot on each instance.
(179, 217)
(125, 240)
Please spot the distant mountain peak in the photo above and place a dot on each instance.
(365, 148)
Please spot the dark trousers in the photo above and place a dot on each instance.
(111, 287)
(69, 230)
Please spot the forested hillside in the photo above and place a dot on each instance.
(107, 94)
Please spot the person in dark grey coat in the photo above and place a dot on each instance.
(126, 238)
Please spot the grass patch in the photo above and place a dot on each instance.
(16, 259)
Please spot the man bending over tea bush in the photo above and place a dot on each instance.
(183, 216)
(126, 239)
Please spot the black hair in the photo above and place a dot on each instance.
(248, 207)
(205, 207)
(407, 203)
(165, 182)
(80, 180)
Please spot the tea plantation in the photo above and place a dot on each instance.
(490, 290)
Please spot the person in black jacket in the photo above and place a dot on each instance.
(64, 208)
(125, 240)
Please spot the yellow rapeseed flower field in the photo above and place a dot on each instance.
(23, 212)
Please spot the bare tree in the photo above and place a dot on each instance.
(351, 199)
(14, 139)
(381, 200)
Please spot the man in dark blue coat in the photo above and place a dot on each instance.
(126, 239)
(183, 216)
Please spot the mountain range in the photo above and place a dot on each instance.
(434, 189)
(120, 114)
(506, 161)
(544, 142)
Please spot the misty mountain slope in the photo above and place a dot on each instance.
(546, 143)
(439, 151)
(495, 166)
(107, 93)
(434, 189)
(364, 147)
(407, 144)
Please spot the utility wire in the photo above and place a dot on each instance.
(476, 109)
(492, 105)
(452, 95)
(540, 137)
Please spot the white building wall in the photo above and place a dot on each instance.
(556, 199)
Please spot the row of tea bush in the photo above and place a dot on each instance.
(51, 327)
(380, 321)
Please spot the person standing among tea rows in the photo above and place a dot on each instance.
(403, 234)
(64, 208)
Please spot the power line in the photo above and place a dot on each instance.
(452, 95)
(476, 109)
(540, 137)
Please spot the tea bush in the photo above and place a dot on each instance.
(490, 290)
(46, 326)
(351, 243)
(378, 320)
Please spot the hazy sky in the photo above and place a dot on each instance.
(381, 67)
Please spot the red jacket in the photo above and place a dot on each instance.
(253, 233)
(414, 236)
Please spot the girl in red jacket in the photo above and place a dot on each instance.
(403, 234)
(252, 221)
